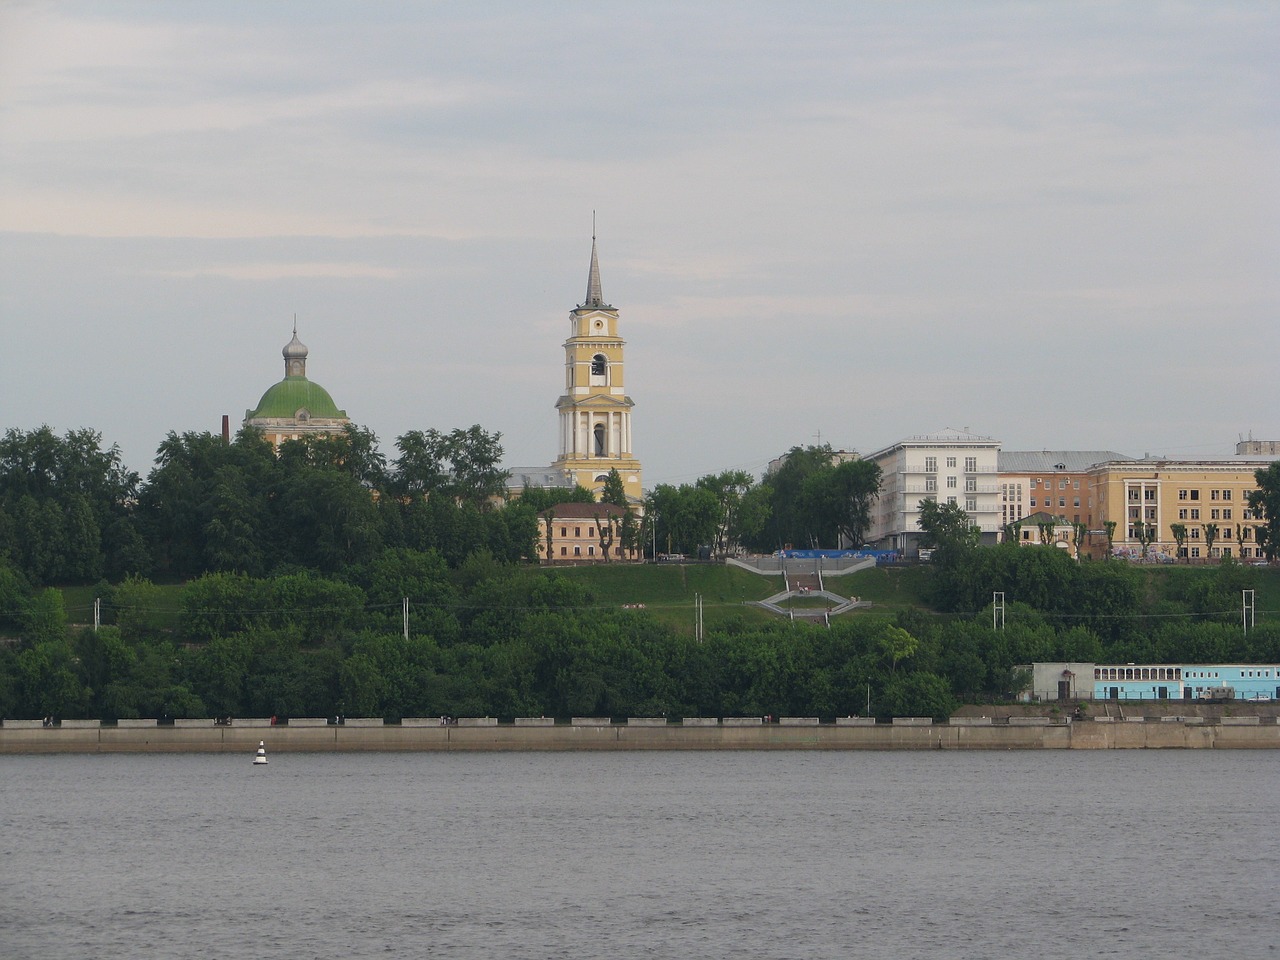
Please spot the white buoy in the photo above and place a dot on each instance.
(262, 753)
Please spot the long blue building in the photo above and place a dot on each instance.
(1167, 681)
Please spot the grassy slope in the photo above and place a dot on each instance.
(668, 590)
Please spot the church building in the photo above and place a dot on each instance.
(295, 407)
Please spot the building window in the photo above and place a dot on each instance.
(564, 531)
(564, 551)
(1213, 514)
(1035, 483)
(599, 370)
(971, 464)
(599, 435)
(1226, 494)
(1075, 484)
(1033, 501)
(951, 483)
(1195, 513)
(577, 531)
(970, 504)
(1195, 494)
(1076, 504)
(1213, 494)
(930, 464)
(951, 462)
(951, 501)
(1182, 494)
(1062, 501)
(1182, 514)
(577, 551)
(1149, 493)
(1226, 513)
(931, 485)
(1195, 535)
(971, 485)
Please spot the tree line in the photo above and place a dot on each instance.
(488, 638)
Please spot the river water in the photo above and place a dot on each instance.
(618, 855)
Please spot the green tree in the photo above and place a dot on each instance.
(1210, 538)
(946, 528)
(45, 619)
(1264, 502)
(462, 464)
(1179, 531)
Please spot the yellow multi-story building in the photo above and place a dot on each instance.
(1146, 498)
(595, 411)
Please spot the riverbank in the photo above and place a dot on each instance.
(1241, 733)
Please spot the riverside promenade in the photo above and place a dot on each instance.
(539, 734)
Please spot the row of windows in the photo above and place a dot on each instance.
(1062, 502)
(1195, 494)
(1048, 484)
(1193, 513)
(931, 464)
(591, 551)
(1244, 674)
(1138, 673)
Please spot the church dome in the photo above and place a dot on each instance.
(295, 349)
(296, 398)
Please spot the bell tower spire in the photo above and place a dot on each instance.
(594, 297)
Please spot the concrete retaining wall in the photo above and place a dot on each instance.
(708, 734)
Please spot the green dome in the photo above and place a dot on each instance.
(284, 400)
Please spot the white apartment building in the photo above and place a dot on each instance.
(953, 466)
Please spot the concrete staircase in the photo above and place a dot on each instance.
(806, 580)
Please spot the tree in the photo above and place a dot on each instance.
(1265, 504)
(729, 489)
(70, 493)
(791, 521)
(1179, 531)
(897, 645)
(1211, 531)
(1146, 534)
(946, 527)
(837, 501)
(541, 499)
(1079, 533)
(462, 465)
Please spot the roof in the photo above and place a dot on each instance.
(292, 395)
(595, 298)
(545, 476)
(948, 436)
(1054, 461)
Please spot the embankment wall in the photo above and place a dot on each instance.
(1083, 735)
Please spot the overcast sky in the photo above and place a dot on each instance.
(1056, 224)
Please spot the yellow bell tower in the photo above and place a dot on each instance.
(595, 411)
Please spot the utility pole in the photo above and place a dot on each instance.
(405, 609)
(1246, 610)
(997, 610)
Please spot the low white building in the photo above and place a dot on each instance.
(953, 466)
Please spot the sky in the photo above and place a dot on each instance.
(1053, 224)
